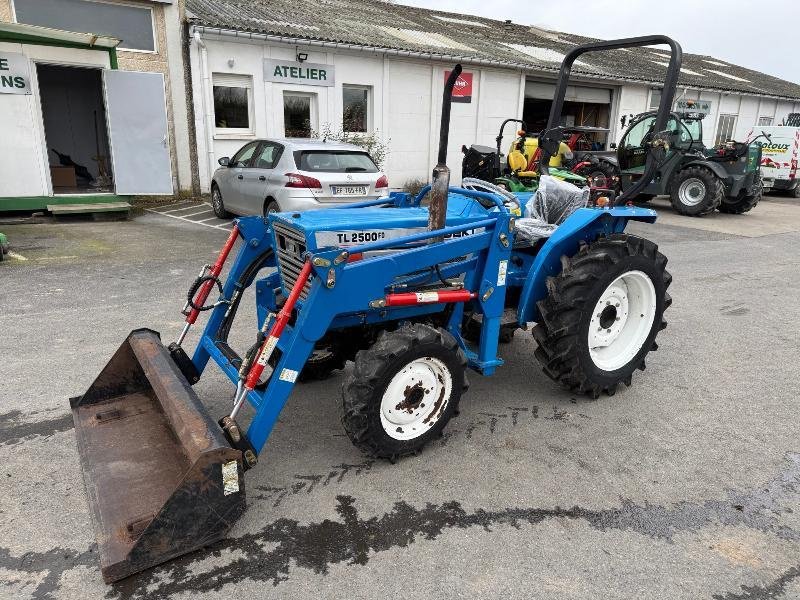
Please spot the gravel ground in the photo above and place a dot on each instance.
(686, 485)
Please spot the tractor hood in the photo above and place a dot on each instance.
(334, 227)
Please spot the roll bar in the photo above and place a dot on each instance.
(550, 138)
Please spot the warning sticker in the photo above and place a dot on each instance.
(501, 272)
(230, 478)
(289, 375)
(268, 348)
(427, 297)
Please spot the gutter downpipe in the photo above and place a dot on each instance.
(207, 117)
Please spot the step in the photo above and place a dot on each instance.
(89, 207)
(99, 211)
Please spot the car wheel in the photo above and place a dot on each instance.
(270, 206)
(217, 205)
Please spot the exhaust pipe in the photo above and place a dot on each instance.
(437, 210)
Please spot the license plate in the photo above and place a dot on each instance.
(349, 190)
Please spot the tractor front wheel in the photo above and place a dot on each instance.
(403, 390)
(602, 314)
(696, 191)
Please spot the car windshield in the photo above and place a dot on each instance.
(334, 161)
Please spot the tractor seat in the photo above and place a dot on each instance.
(518, 162)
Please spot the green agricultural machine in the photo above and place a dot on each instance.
(697, 179)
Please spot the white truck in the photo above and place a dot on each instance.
(779, 157)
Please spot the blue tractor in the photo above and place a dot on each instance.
(415, 293)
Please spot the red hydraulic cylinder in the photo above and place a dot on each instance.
(215, 270)
(432, 297)
(277, 328)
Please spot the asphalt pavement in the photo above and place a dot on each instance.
(685, 485)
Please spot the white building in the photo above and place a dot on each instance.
(388, 62)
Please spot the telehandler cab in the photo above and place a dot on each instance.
(386, 283)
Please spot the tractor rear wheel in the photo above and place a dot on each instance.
(602, 314)
(696, 191)
(743, 202)
(403, 390)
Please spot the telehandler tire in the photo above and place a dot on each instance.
(743, 202)
(696, 191)
(602, 314)
(403, 390)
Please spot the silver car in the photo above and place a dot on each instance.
(291, 174)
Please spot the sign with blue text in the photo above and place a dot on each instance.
(14, 74)
(303, 73)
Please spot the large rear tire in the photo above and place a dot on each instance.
(696, 191)
(403, 390)
(602, 314)
(743, 202)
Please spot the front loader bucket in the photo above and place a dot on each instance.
(161, 478)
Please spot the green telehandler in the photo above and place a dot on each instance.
(697, 179)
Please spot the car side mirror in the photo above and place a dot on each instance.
(613, 145)
(224, 161)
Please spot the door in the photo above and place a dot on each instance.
(259, 177)
(231, 181)
(137, 129)
(631, 153)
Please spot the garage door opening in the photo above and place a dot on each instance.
(583, 106)
(75, 129)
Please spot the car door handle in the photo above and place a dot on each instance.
(262, 178)
(240, 177)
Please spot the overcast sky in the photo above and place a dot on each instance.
(758, 34)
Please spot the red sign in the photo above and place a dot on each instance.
(462, 90)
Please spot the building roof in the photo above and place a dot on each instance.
(21, 31)
(383, 25)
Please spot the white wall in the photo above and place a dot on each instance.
(406, 104)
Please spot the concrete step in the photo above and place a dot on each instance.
(98, 210)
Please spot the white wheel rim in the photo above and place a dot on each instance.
(692, 191)
(622, 320)
(216, 199)
(416, 398)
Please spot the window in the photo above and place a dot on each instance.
(131, 24)
(297, 115)
(268, 157)
(725, 127)
(243, 156)
(636, 133)
(689, 130)
(334, 161)
(355, 108)
(232, 100)
(765, 121)
(655, 98)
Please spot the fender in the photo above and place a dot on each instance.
(585, 224)
(715, 168)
